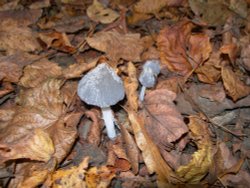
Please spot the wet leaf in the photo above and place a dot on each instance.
(234, 86)
(162, 120)
(131, 85)
(97, 12)
(201, 161)
(116, 46)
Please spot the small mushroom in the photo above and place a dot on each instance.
(148, 76)
(102, 87)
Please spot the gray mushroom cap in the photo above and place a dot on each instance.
(149, 73)
(101, 87)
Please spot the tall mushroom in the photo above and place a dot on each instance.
(148, 76)
(102, 87)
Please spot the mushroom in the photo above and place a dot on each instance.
(147, 78)
(102, 87)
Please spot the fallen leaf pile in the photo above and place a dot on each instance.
(191, 129)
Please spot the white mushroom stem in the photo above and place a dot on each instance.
(142, 93)
(108, 118)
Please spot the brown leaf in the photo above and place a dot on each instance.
(116, 46)
(162, 120)
(99, 177)
(201, 161)
(12, 66)
(182, 51)
(57, 40)
(149, 7)
(76, 70)
(37, 145)
(210, 72)
(171, 43)
(36, 73)
(97, 12)
(132, 150)
(131, 85)
(234, 86)
(72, 177)
(14, 38)
(150, 152)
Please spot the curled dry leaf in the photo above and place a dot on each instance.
(97, 12)
(128, 47)
(234, 86)
(37, 145)
(162, 120)
(36, 73)
(201, 161)
(131, 85)
(181, 50)
(151, 154)
(76, 70)
(57, 40)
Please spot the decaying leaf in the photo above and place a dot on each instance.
(116, 45)
(151, 155)
(233, 85)
(131, 85)
(37, 145)
(162, 120)
(99, 13)
(201, 161)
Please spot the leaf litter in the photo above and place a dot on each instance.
(192, 129)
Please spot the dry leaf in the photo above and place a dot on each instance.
(76, 70)
(201, 161)
(131, 85)
(162, 120)
(234, 86)
(151, 155)
(132, 150)
(36, 73)
(14, 38)
(57, 40)
(210, 72)
(97, 12)
(72, 177)
(182, 51)
(99, 177)
(149, 7)
(37, 145)
(116, 45)
(171, 43)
